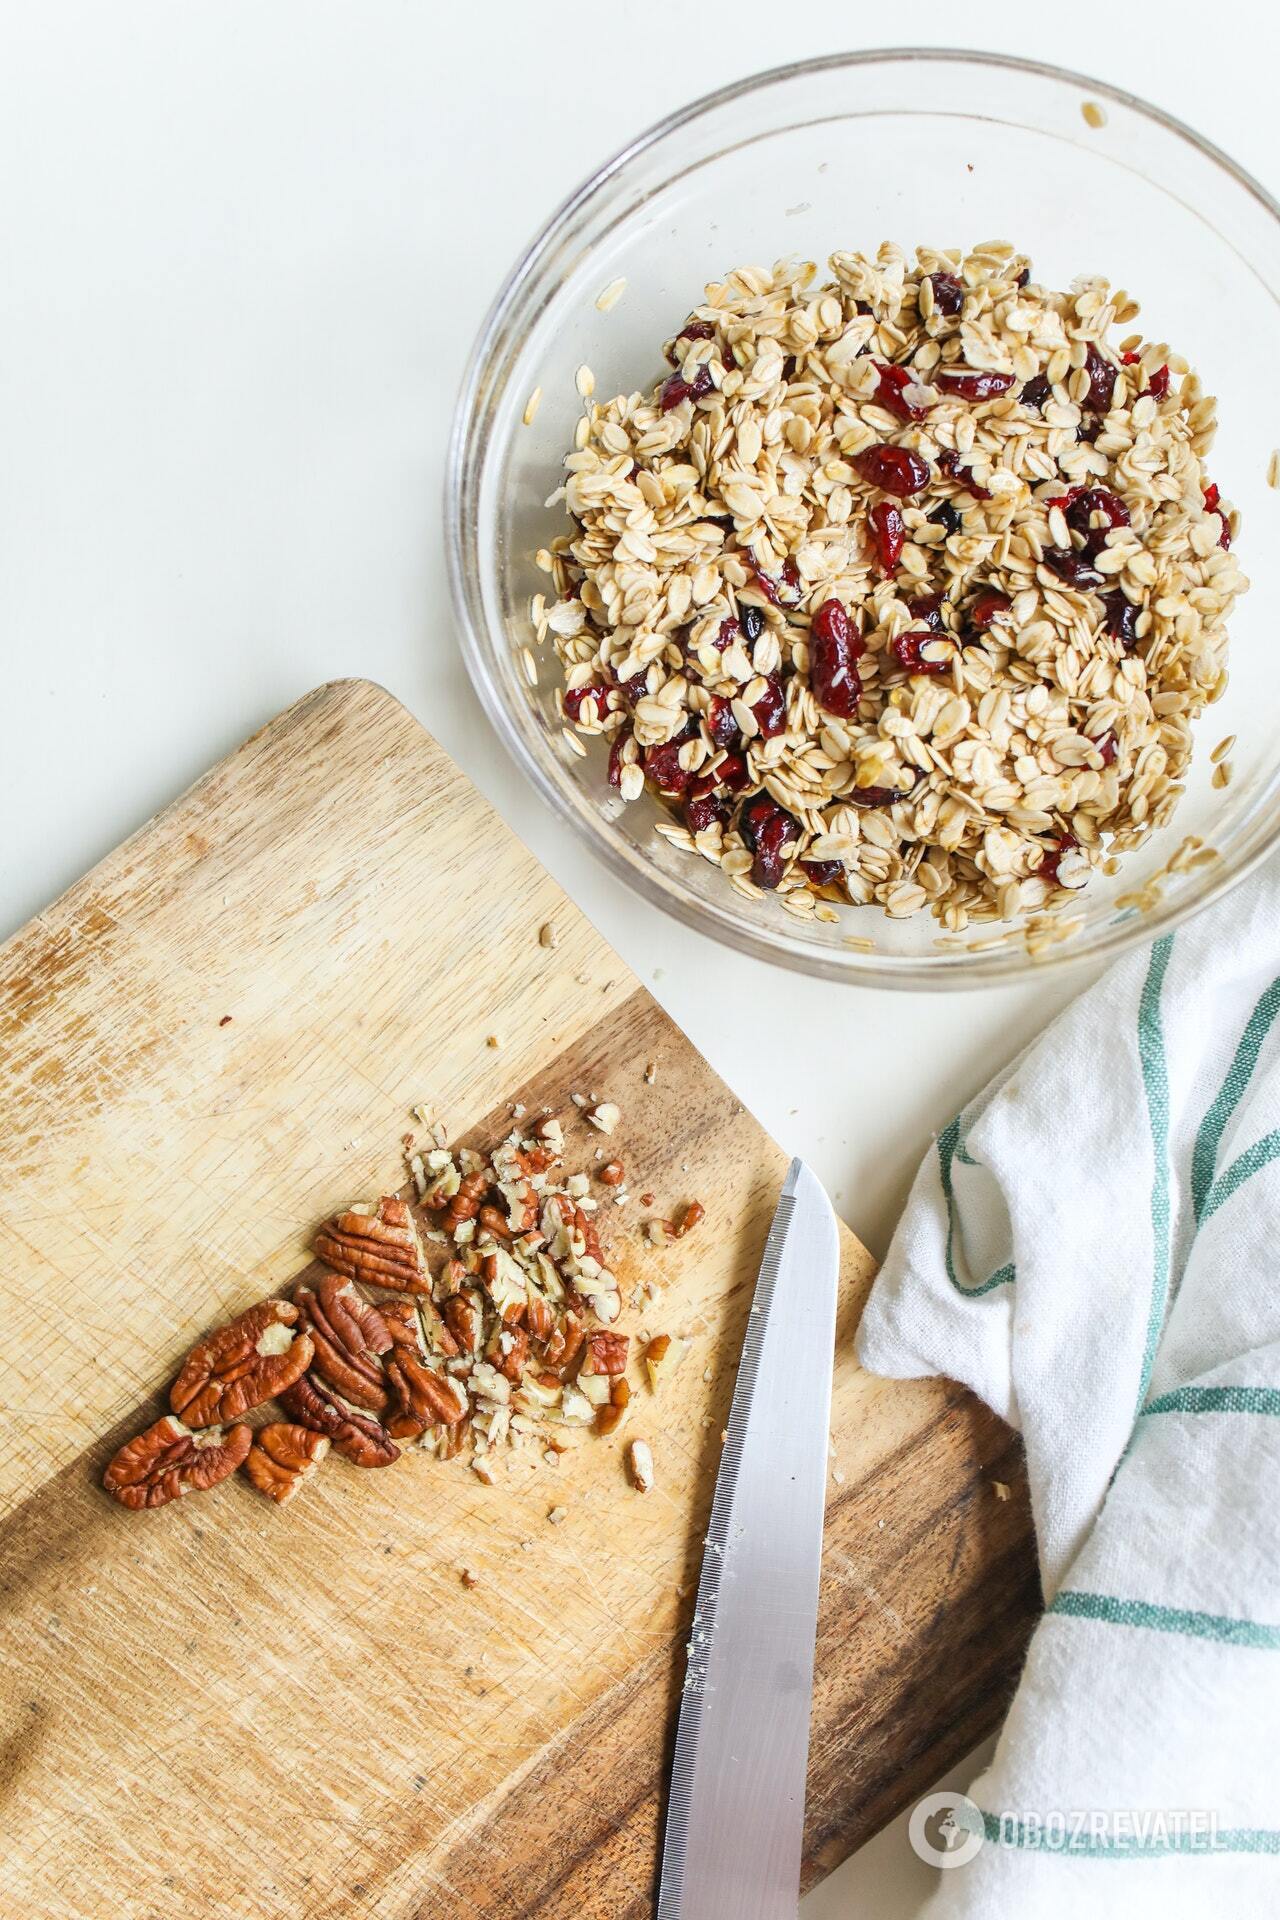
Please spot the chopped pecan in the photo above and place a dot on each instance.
(240, 1365)
(421, 1396)
(313, 1403)
(494, 1221)
(467, 1201)
(606, 1353)
(539, 1317)
(535, 1160)
(693, 1213)
(640, 1460)
(283, 1458)
(463, 1317)
(511, 1352)
(565, 1344)
(169, 1460)
(384, 1248)
(348, 1335)
(610, 1418)
(613, 1174)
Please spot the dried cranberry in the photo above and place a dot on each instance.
(1083, 503)
(731, 774)
(833, 653)
(662, 766)
(726, 634)
(1158, 385)
(615, 756)
(948, 517)
(906, 651)
(635, 688)
(1036, 392)
(968, 384)
(1122, 619)
(677, 388)
(703, 810)
(894, 470)
(1072, 568)
(948, 293)
(949, 463)
(1048, 868)
(928, 611)
(1090, 432)
(785, 590)
(770, 709)
(576, 697)
(767, 831)
(1102, 381)
(1212, 496)
(823, 873)
(1065, 500)
(888, 530)
(1024, 278)
(722, 728)
(890, 394)
(752, 624)
(876, 796)
(1130, 359)
(698, 330)
(989, 605)
(1106, 745)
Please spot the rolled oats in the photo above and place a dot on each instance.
(901, 590)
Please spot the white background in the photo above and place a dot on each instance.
(244, 248)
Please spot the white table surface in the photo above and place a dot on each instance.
(244, 248)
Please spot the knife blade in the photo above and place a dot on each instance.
(735, 1815)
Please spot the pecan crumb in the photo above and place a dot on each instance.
(492, 1040)
(640, 1460)
(646, 1199)
(606, 1116)
(693, 1213)
(225, 1020)
(469, 1577)
(1000, 1489)
(547, 935)
(650, 1072)
(613, 1174)
(557, 1514)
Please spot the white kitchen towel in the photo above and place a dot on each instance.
(1093, 1247)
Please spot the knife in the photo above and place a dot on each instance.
(735, 1816)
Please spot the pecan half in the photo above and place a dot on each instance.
(606, 1353)
(240, 1365)
(169, 1460)
(421, 1397)
(348, 1335)
(313, 1403)
(383, 1248)
(283, 1458)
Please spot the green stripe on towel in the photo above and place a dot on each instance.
(1217, 1400)
(1204, 1160)
(950, 1147)
(1140, 1613)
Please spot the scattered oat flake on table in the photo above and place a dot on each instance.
(585, 381)
(609, 296)
(1094, 115)
(531, 406)
(1273, 469)
(547, 935)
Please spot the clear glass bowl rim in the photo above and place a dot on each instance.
(463, 477)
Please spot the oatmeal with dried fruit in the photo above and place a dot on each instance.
(904, 588)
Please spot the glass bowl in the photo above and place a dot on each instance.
(924, 147)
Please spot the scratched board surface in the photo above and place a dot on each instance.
(229, 1709)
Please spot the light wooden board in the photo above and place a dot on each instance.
(225, 1709)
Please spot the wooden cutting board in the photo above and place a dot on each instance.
(229, 1710)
